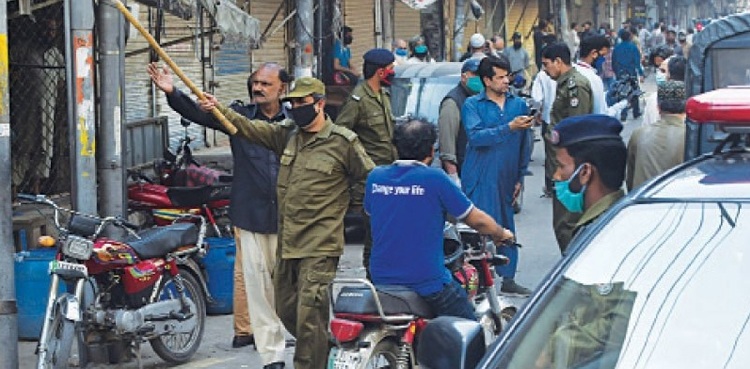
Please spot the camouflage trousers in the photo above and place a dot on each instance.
(302, 303)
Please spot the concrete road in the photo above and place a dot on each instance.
(538, 255)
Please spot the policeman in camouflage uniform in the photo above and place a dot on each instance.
(572, 97)
(368, 114)
(318, 160)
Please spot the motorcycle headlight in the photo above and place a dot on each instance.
(78, 247)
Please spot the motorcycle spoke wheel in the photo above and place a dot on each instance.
(384, 356)
(180, 347)
(60, 337)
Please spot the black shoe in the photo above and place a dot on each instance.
(511, 288)
(242, 341)
(276, 365)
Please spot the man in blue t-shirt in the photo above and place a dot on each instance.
(407, 202)
(344, 72)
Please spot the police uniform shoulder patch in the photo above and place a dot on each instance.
(604, 289)
(574, 102)
(355, 97)
(572, 83)
(345, 132)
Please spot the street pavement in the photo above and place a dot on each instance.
(537, 256)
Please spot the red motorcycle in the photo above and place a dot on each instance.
(150, 203)
(377, 327)
(121, 293)
(183, 187)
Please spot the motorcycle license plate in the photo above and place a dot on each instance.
(342, 359)
(58, 266)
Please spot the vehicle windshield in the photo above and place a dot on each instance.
(643, 295)
(420, 97)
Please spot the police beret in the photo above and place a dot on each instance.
(379, 57)
(470, 65)
(582, 128)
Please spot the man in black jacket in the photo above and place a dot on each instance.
(253, 209)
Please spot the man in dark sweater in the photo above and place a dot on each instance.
(253, 209)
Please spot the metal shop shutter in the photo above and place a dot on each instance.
(522, 21)
(235, 63)
(360, 16)
(406, 22)
(274, 49)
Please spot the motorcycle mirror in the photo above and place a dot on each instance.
(185, 123)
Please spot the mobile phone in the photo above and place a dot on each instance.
(533, 112)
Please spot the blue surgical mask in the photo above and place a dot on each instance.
(661, 78)
(401, 52)
(474, 84)
(570, 200)
(420, 49)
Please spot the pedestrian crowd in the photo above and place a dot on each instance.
(297, 172)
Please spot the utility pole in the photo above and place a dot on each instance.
(458, 30)
(8, 307)
(387, 10)
(303, 30)
(79, 61)
(111, 45)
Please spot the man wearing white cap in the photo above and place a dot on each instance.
(477, 43)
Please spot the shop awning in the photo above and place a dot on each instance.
(418, 4)
(234, 24)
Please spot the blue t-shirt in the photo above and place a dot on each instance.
(407, 202)
(342, 53)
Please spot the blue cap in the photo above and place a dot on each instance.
(470, 65)
(380, 57)
(582, 128)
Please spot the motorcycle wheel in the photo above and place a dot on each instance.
(383, 356)
(60, 337)
(180, 347)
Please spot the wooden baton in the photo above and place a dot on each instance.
(163, 54)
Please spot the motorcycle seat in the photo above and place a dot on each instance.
(190, 196)
(159, 241)
(395, 300)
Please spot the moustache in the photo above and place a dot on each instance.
(258, 93)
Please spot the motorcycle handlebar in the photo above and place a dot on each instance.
(28, 197)
(120, 221)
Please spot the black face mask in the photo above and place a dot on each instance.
(517, 45)
(303, 115)
(348, 40)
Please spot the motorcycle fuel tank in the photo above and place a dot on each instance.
(147, 195)
(109, 254)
